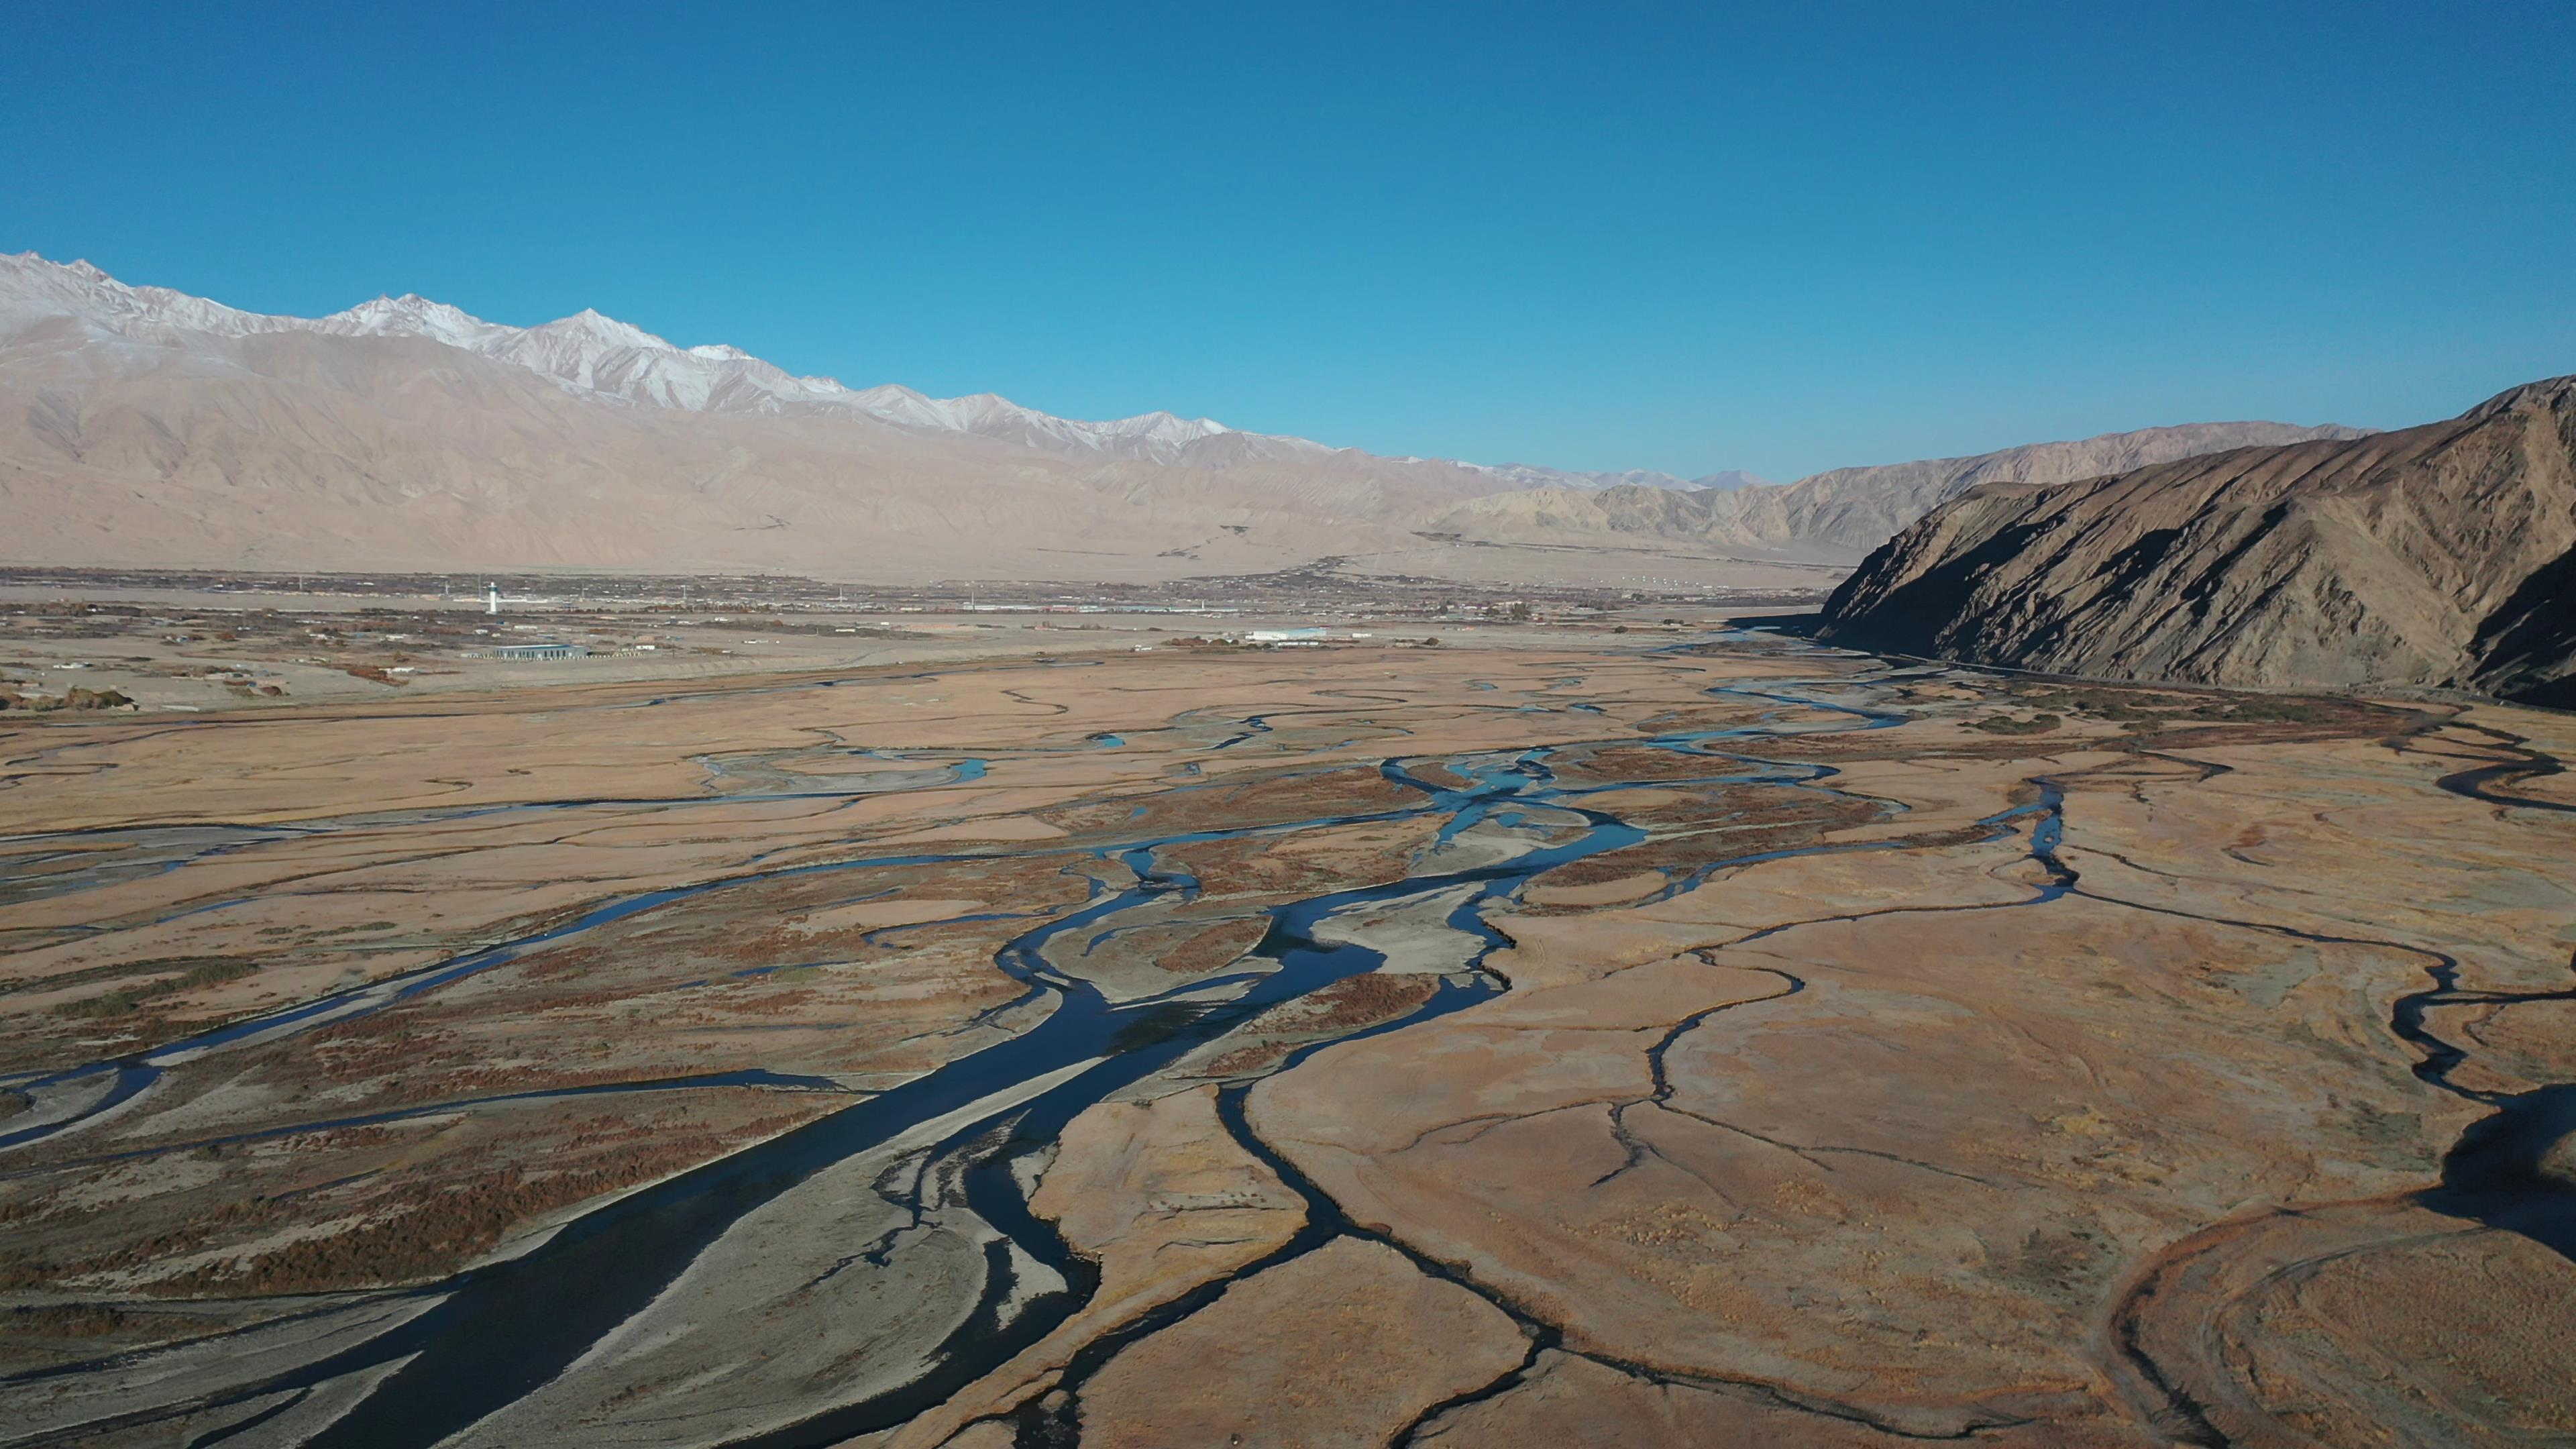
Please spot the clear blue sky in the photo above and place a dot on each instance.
(1777, 237)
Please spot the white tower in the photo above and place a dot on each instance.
(492, 604)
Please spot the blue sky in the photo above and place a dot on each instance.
(1778, 237)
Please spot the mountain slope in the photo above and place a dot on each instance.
(318, 451)
(1862, 507)
(1524, 475)
(2443, 555)
(1848, 511)
(143, 426)
(604, 356)
(613, 359)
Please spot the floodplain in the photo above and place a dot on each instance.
(1566, 1036)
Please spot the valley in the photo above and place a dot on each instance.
(1040, 727)
(1582, 1031)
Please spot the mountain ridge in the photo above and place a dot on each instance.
(617, 359)
(143, 426)
(2441, 556)
(1853, 508)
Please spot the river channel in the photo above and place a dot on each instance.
(471, 1359)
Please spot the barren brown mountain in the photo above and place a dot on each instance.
(2443, 556)
(144, 427)
(1848, 511)
(296, 451)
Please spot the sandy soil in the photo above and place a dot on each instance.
(1731, 1044)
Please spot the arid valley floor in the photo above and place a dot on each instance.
(1556, 1037)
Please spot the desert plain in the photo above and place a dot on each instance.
(1558, 1035)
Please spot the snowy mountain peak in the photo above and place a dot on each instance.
(1167, 427)
(411, 315)
(590, 323)
(597, 355)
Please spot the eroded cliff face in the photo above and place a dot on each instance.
(2443, 555)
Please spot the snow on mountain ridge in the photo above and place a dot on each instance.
(588, 351)
(595, 354)
(412, 315)
(36, 289)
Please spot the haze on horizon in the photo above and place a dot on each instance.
(1632, 239)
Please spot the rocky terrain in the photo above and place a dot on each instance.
(1852, 509)
(144, 427)
(2439, 556)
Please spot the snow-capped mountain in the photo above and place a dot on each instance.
(612, 359)
(140, 425)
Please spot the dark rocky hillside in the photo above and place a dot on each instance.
(2443, 555)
